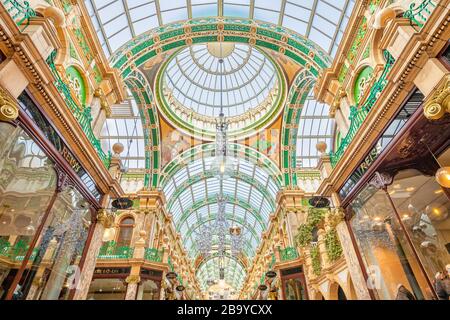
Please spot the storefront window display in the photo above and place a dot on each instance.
(27, 186)
(107, 289)
(293, 284)
(60, 248)
(44, 218)
(384, 248)
(148, 290)
(424, 207)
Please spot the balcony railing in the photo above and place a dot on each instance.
(358, 115)
(152, 254)
(111, 251)
(289, 253)
(83, 115)
(419, 11)
(20, 11)
(17, 251)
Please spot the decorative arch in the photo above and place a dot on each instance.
(143, 96)
(268, 36)
(298, 93)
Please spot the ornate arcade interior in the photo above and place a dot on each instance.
(231, 149)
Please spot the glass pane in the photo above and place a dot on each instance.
(383, 247)
(148, 290)
(107, 289)
(54, 270)
(424, 208)
(27, 184)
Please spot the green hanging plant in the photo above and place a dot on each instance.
(304, 235)
(315, 258)
(333, 246)
(315, 216)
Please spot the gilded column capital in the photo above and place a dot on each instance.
(105, 217)
(439, 103)
(133, 279)
(9, 109)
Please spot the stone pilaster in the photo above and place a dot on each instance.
(104, 220)
(351, 258)
(323, 250)
(132, 287)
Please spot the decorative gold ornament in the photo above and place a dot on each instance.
(9, 109)
(439, 103)
(133, 279)
(105, 217)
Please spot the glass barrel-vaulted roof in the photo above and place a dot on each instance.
(125, 126)
(208, 272)
(191, 195)
(118, 21)
(315, 126)
(197, 79)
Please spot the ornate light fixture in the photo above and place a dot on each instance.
(223, 167)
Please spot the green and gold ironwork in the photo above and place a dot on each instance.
(111, 251)
(418, 13)
(359, 114)
(17, 251)
(20, 11)
(153, 254)
(82, 114)
(289, 253)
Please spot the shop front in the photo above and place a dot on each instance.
(293, 284)
(109, 283)
(47, 204)
(397, 210)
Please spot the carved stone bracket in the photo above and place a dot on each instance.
(439, 103)
(9, 109)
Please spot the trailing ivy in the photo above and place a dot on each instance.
(315, 216)
(333, 246)
(304, 232)
(304, 235)
(315, 259)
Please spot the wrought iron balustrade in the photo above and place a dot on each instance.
(111, 251)
(359, 114)
(152, 254)
(289, 253)
(83, 115)
(20, 11)
(418, 13)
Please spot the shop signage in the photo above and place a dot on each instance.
(27, 104)
(410, 107)
(361, 170)
(67, 155)
(112, 271)
(151, 273)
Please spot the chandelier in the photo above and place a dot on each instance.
(223, 167)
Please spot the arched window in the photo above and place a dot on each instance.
(125, 232)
